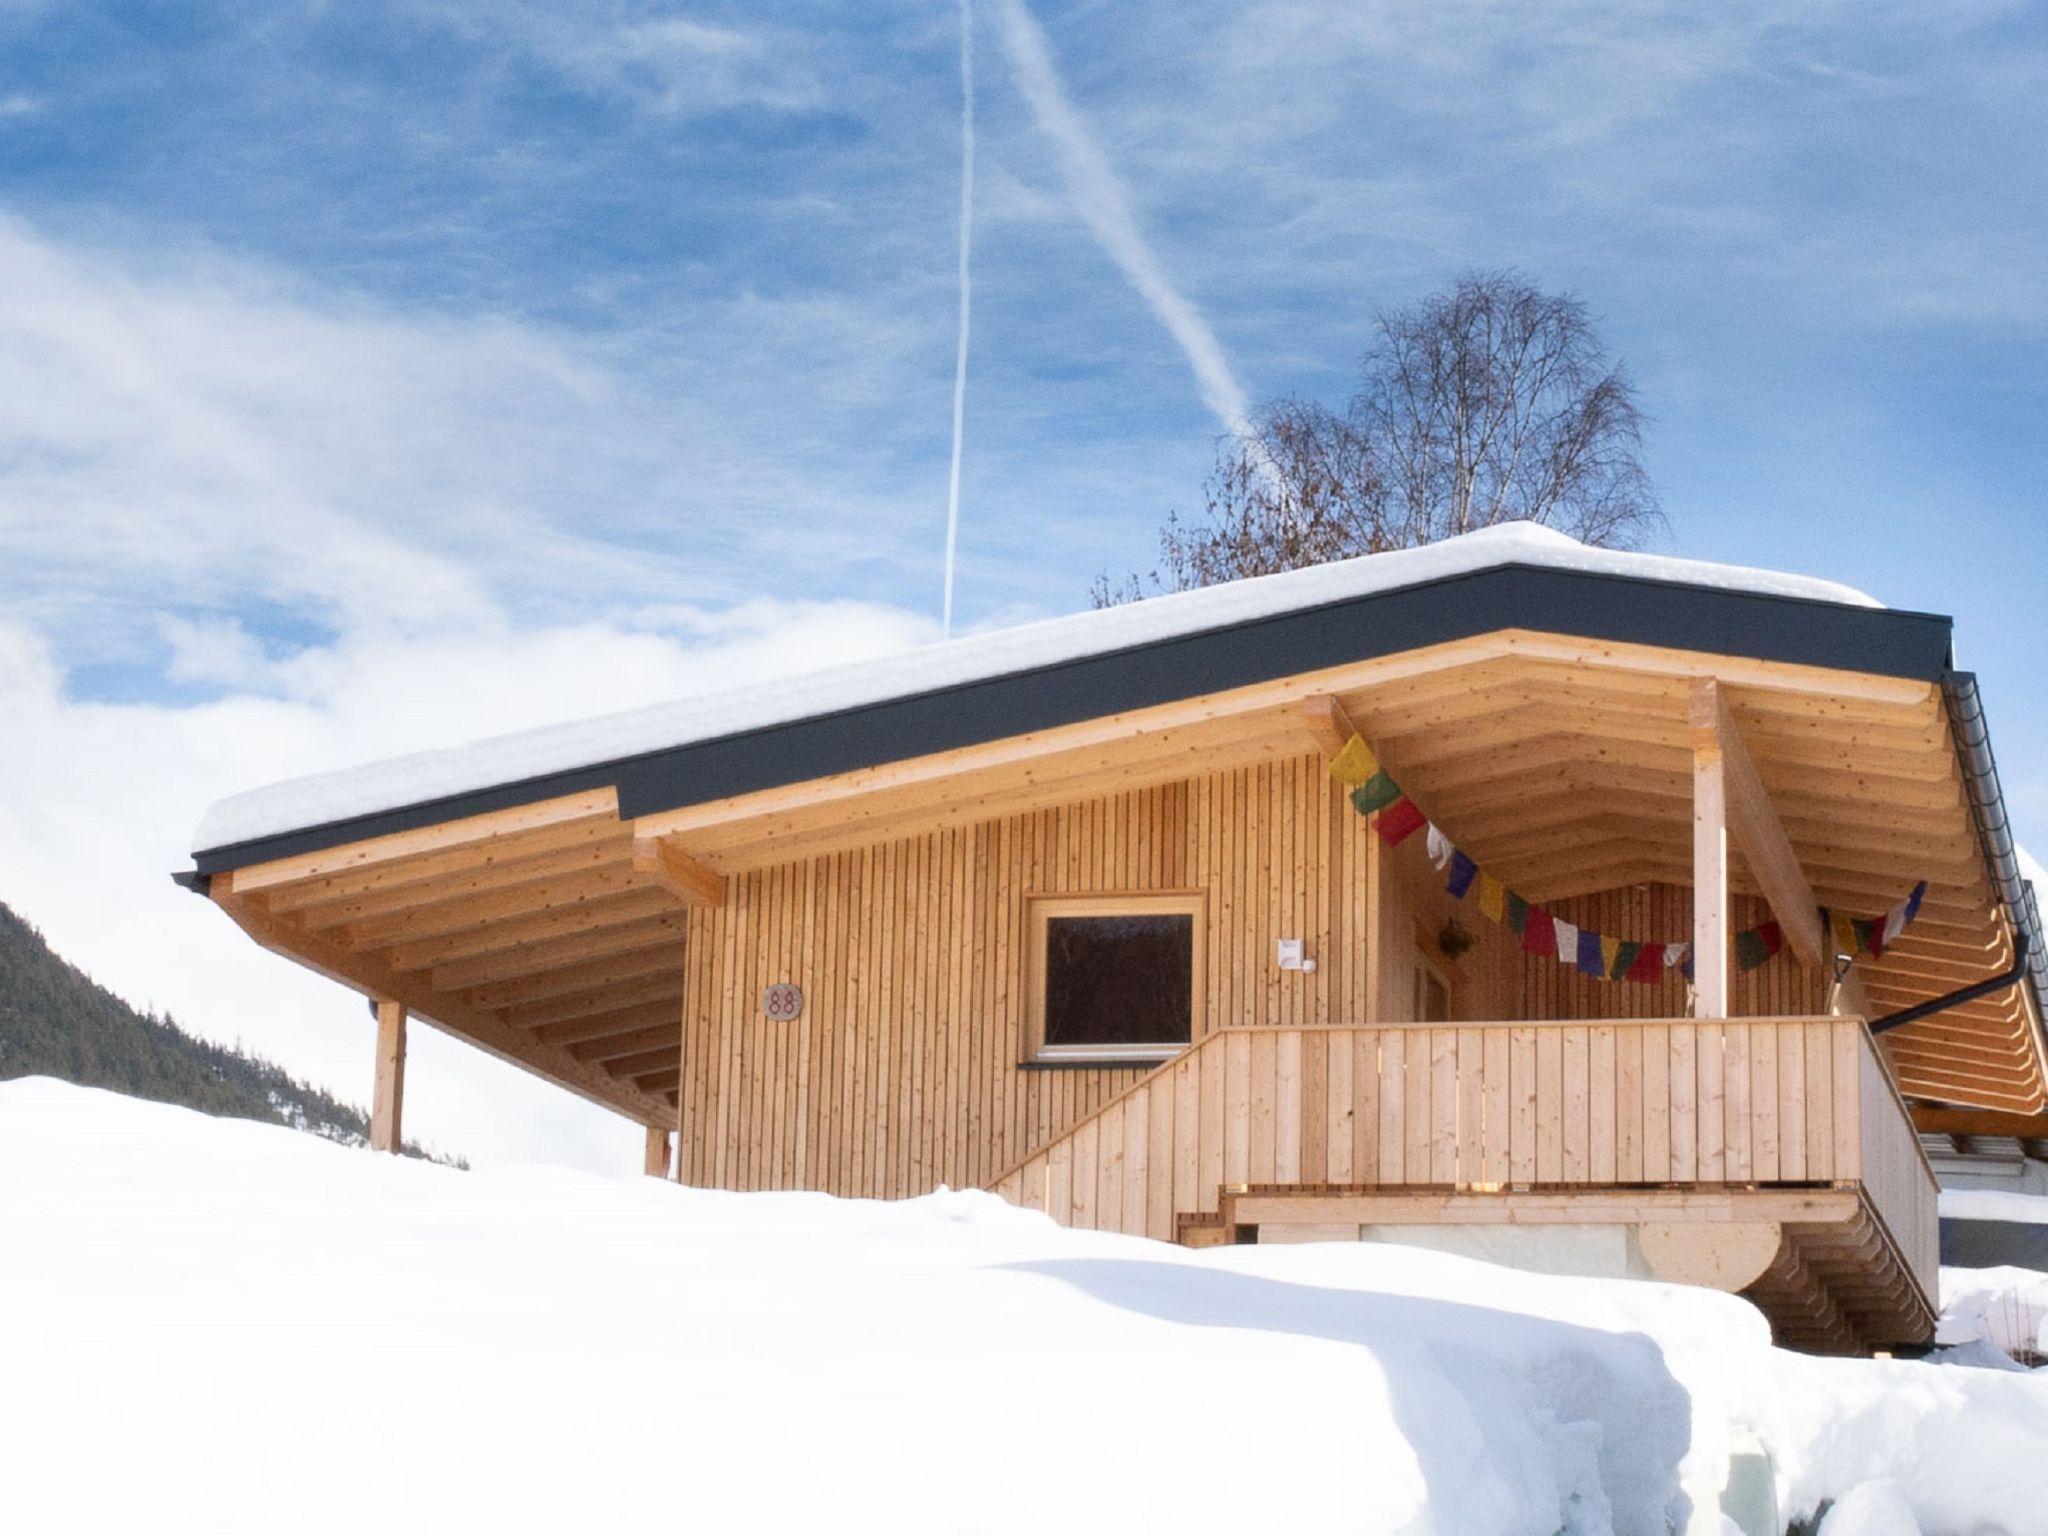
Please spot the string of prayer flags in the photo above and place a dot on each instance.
(1873, 935)
(1396, 818)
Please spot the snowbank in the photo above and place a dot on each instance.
(222, 1326)
(2004, 1306)
(425, 776)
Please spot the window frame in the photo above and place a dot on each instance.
(1040, 909)
(1431, 963)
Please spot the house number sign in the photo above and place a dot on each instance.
(782, 1001)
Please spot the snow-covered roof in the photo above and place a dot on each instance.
(427, 776)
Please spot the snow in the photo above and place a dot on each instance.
(426, 776)
(1993, 1205)
(222, 1326)
(2002, 1307)
(1876, 1508)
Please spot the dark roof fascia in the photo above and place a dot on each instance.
(1595, 606)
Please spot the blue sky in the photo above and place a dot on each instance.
(390, 372)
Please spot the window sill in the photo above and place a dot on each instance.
(1099, 1063)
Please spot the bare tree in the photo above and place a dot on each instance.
(1489, 402)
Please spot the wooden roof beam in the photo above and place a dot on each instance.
(542, 956)
(659, 859)
(1328, 725)
(1754, 825)
(666, 1015)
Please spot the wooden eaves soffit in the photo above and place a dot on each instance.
(554, 933)
(544, 934)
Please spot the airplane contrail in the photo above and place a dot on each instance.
(960, 355)
(1100, 197)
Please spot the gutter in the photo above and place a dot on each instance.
(2006, 978)
(1994, 831)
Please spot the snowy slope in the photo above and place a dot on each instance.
(427, 776)
(219, 1326)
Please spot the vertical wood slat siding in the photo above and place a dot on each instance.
(1562, 1105)
(1892, 1165)
(1656, 913)
(904, 1069)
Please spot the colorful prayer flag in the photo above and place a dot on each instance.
(1567, 942)
(1913, 901)
(1609, 950)
(1678, 954)
(1439, 846)
(1894, 923)
(1462, 871)
(1592, 955)
(1648, 965)
(1399, 821)
(1539, 932)
(1518, 914)
(1750, 950)
(1491, 896)
(1355, 764)
(1625, 954)
(1376, 793)
(1843, 931)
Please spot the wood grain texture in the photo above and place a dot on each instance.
(910, 1065)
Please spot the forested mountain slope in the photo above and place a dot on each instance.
(55, 1021)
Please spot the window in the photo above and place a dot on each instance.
(1114, 978)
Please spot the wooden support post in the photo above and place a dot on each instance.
(387, 1103)
(657, 1152)
(1375, 919)
(1709, 872)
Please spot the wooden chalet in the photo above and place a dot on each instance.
(1080, 913)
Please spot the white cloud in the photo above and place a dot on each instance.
(97, 802)
(184, 433)
(671, 64)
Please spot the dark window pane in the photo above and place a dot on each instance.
(1119, 980)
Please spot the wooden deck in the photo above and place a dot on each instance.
(1737, 1131)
